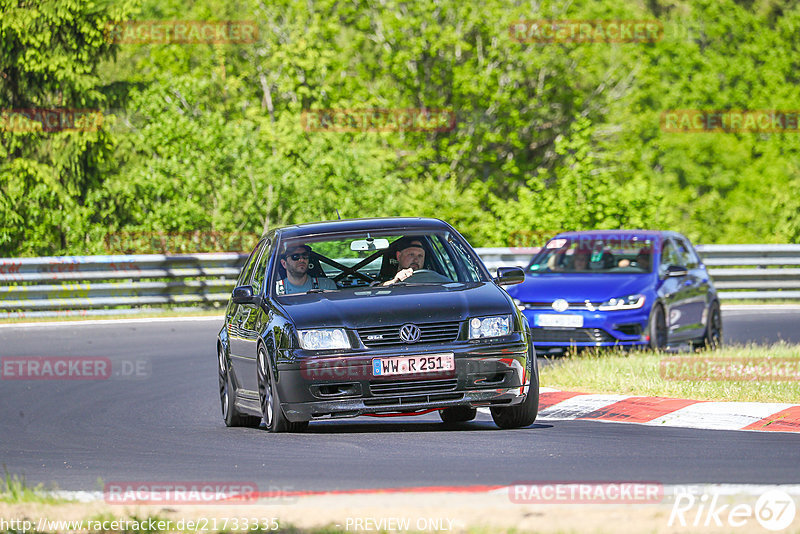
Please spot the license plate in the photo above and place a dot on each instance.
(562, 320)
(407, 365)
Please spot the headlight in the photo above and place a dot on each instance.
(480, 327)
(631, 302)
(328, 338)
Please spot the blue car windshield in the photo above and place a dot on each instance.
(594, 253)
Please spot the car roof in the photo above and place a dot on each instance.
(634, 232)
(400, 224)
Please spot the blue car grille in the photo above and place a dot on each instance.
(572, 335)
(549, 305)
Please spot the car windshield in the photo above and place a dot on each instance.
(373, 259)
(594, 253)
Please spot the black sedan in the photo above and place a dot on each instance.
(382, 317)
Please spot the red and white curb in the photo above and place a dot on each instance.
(662, 411)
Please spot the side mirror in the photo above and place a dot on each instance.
(675, 271)
(244, 295)
(507, 276)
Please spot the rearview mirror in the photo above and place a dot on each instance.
(369, 244)
(507, 276)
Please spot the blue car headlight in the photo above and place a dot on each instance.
(324, 338)
(631, 302)
(481, 327)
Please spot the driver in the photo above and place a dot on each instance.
(295, 260)
(410, 257)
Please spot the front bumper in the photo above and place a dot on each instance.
(622, 328)
(342, 385)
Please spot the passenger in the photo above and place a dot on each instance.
(410, 257)
(643, 259)
(296, 261)
(580, 261)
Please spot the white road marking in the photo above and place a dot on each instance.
(579, 406)
(719, 415)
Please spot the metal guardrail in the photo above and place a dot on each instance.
(95, 285)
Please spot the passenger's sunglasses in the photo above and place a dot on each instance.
(296, 257)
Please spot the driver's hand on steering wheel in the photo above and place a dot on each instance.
(400, 276)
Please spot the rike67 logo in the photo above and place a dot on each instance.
(774, 510)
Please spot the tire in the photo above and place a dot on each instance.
(227, 396)
(657, 328)
(524, 414)
(712, 337)
(274, 418)
(458, 414)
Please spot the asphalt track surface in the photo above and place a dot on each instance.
(165, 426)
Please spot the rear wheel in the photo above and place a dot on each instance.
(274, 418)
(458, 414)
(524, 414)
(657, 328)
(712, 337)
(227, 397)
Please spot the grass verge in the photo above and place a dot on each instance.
(735, 373)
(121, 315)
(14, 490)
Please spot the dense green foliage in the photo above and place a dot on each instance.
(548, 136)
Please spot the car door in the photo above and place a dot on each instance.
(253, 319)
(674, 292)
(239, 325)
(696, 287)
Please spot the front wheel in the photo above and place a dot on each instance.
(274, 418)
(712, 337)
(657, 328)
(524, 414)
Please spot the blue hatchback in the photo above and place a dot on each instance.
(619, 288)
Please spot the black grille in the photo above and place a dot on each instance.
(381, 336)
(416, 399)
(632, 329)
(572, 335)
(411, 387)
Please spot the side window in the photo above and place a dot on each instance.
(669, 256)
(260, 269)
(244, 276)
(688, 256)
(444, 257)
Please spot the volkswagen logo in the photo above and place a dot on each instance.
(560, 305)
(409, 333)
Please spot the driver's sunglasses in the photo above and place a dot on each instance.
(296, 257)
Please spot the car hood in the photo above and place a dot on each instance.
(579, 287)
(376, 306)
